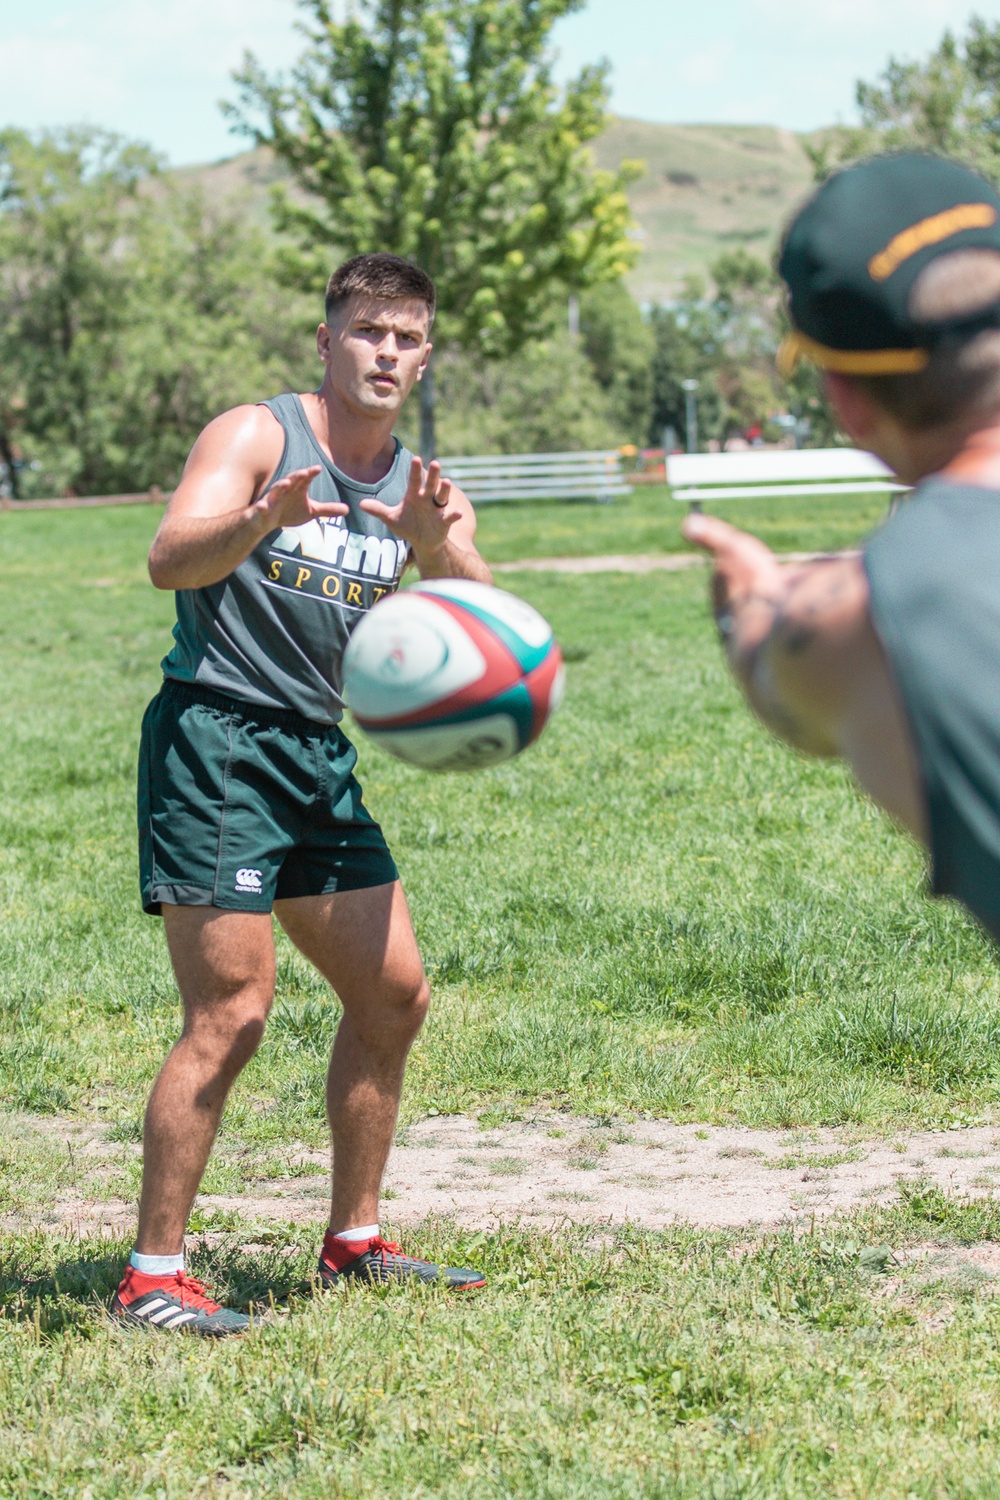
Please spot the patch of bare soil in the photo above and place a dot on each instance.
(546, 1171)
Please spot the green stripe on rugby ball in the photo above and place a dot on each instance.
(516, 702)
(487, 604)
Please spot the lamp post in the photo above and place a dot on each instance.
(691, 414)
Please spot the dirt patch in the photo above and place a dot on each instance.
(548, 1170)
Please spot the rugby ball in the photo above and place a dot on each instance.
(452, 675)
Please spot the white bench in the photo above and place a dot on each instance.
(539, 476)
(698, 477)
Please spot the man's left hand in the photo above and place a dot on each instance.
(425, 515)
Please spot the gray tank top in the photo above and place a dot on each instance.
(273, 633)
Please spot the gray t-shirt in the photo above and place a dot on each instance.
(273, 633)
(934, 573)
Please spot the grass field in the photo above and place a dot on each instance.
(649, 521)
(656, 910)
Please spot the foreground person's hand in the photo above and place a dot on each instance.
(748, 583)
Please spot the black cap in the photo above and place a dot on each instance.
(851, 256)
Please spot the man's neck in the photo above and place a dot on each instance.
(978, 459)
(361, 446)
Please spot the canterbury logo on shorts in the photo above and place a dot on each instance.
(249, 880)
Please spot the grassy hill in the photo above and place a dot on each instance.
(706, 188)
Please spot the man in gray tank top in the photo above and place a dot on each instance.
(890, 658)
(292, 519)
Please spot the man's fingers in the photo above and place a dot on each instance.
(727, 544)
(714, 535)
(298, 479)
(328, 507)
(416, 479)
(387, 513)
(443, 495)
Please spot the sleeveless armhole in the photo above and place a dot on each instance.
(267, 405)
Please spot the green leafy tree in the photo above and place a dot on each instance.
(432, 129)
(129, 315)
(542, 399)
(618, 342)
(949, 103)
(726, 339)
(66, 202)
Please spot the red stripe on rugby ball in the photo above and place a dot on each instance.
(503, 671)
(539, 684)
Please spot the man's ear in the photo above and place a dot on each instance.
(854, 409)
(423, 363)
(323, 338)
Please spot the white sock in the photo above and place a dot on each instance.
(157, 1265)
(366, 1232)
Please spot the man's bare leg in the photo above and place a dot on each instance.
(362, 942)
(224, 965)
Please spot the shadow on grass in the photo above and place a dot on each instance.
(41, 1284)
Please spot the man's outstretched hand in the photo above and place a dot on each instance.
(425, 515)
(288, 502)
(748, 586)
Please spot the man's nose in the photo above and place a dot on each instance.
(388, 349)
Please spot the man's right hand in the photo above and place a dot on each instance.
(288, 502)
(212, 522)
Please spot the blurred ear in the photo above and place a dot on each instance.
(855, 411)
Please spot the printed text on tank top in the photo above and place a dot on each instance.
(325, 561)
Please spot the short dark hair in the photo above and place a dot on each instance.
(379, 275)
(962, 376)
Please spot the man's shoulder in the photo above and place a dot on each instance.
(252, 431)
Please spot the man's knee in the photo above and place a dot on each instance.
(398, 1009)
(228, 1033)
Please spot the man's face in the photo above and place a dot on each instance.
(375, 351)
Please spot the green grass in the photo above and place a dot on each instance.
(676, 1365)
(656, 910)
(649, 521)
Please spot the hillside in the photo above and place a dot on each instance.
(706, 188)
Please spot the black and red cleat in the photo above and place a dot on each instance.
(177, 1304)
(382, 1261)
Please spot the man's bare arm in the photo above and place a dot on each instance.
(439, 523)
(217, 514)
(801, 643)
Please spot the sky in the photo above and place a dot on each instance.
(154, 70)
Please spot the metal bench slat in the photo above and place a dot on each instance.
(608, 456)
(788, 463)
(818, 487)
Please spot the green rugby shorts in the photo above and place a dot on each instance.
(242, 806)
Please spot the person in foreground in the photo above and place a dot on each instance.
(890, 658)
(292, 519)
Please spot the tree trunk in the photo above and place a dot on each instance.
(7, 459)
(428, 443)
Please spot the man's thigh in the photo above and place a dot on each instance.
(220, 956)
(361, 941)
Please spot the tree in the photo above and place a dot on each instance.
(949, 103)
(65, 201)
(727, 340)
(130, 314)
(619, 344)
(432, 129)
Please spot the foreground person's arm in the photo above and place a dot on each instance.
(801, 643)
(439, 523)
(217, 514)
